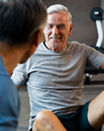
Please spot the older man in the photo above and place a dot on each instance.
(21, 24)
(54, 77)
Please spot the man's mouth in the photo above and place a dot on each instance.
(55, 37)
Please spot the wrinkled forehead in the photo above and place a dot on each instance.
(57, 17)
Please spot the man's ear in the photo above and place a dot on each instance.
(70, 29)
(37, 37)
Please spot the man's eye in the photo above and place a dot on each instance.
(61, 27)
(50, 26)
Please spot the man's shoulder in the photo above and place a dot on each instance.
(76, 43)
(40, 48)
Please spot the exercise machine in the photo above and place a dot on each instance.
(96, 16)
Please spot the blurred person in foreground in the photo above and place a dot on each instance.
(54, 77)
(21, 24)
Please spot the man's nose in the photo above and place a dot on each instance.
(55, 30)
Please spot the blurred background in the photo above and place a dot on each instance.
(84, 31)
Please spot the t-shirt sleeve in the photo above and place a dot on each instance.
(19, 75)
(95, 57)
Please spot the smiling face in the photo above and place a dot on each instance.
(57, 31)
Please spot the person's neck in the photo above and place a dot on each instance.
(58, 50)
(10, 58)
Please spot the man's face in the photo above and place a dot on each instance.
(56, 31)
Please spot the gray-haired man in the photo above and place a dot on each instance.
(54, 76)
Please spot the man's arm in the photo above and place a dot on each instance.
(95, 57)
(19, 76)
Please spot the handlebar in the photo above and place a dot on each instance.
(96, 15)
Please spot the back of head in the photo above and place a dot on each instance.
(19, 19)
(58, 8)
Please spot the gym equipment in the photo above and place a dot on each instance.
(96, 16)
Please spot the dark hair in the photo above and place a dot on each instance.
(19, 19)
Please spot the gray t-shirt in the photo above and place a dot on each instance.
(55, 80)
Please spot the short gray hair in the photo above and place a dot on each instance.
(58, 8)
